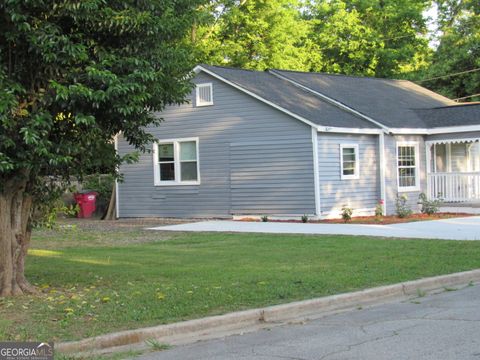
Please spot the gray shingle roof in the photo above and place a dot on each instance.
(393, 103)
(291, 97)
(390, 102)
(461, 114)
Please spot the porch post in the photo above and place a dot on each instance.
(428, 168)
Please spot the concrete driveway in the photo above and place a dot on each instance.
(436, 327)
(467, 228)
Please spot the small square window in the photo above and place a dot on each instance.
(204, 94)
(349, 161)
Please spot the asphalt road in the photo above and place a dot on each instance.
(441, 326)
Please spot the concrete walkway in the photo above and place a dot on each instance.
(467, 228)
(438, 327)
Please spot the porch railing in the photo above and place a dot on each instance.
(454, 187)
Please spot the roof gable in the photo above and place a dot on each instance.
(289, 98)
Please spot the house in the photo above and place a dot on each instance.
(289, 143)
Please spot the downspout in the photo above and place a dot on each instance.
(381, 145)
(316, 173)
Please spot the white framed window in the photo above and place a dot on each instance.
(349, 165)
(204, 94)
(408, 162)
(175, 162)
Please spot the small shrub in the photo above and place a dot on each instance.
(103, 185)
(379, 209)
(429, 207)
(71, 210)
(264, 218)
(346, 213)
(305, 218)
(401, 207)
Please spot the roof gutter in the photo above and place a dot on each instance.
(437, 130)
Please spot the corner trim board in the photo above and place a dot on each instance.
(316, 174)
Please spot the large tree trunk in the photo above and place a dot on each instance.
(15, 231)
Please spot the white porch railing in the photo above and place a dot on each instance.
(454, 187)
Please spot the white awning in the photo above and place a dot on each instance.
(452, 141)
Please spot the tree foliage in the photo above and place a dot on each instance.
(368, 37)
(254, 34)
(73, 74)
(458, 50)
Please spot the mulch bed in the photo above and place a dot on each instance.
(385, 220)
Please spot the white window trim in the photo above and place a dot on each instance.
(200, 103)
(356, 174)
(176, 157)
(417, 167)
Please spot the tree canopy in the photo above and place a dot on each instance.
(458, 51)
(254, 34)
(74, 74)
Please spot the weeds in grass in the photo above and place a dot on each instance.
(156, 345)
(450, 289)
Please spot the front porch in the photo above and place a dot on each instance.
(453, 170)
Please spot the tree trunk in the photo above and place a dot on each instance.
(15, 232)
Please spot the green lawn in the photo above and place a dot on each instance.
(95, 281)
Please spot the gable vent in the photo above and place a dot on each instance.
(204, 94)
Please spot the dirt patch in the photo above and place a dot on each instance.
(95, 232)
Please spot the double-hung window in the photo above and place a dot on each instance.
(349, 161)
(176, 162)
(408, 166)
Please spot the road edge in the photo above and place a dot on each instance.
(250, 320)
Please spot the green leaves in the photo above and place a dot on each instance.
(364, 37)
(74, 73)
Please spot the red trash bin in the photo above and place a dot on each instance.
(86, 201)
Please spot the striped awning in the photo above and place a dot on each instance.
(452, 141)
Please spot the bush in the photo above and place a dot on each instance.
(103, 185)
(305, 218)
(429, 207)
(401, 207)
(379, 209)
(346, 213)
(264, 218)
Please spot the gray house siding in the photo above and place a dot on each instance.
(391, 181)
(359, 194)
(253, 159)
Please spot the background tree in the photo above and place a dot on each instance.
(73, 74)
(381, 38)
(458, 51)
(254, 34)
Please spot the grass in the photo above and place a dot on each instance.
(95, 281)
